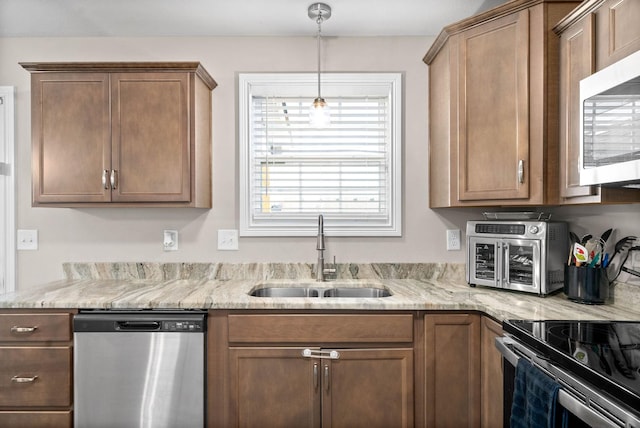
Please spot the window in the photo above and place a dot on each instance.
(349, 171)
(7, 191)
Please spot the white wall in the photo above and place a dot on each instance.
(135, 234)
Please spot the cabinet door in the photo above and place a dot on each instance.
(577, 62)
(274, 387)
(452, 370)
(491, 375)
(71, 137)
(151, 138)
(493, 92)
(618, 32)
(368, 388)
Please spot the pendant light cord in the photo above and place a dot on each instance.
(319, 21)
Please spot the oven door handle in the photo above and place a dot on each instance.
(565, 399)
(502, 343)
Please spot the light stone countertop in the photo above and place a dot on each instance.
(210, 286)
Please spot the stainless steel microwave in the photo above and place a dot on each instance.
(610, 125)
(517, 255)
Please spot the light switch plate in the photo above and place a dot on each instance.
(227, 239)
(27, 239)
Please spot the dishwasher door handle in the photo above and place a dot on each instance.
(137, 325)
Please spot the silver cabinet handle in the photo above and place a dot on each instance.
(315, 376)
(521, 171)
(16, 329)
(114, 179)
(24, 379)
(326, 377)
(105, 177)
(309, 353)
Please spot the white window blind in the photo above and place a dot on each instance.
(349, 171)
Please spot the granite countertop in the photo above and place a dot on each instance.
(226, 286)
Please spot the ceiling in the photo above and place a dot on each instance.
(113, 18)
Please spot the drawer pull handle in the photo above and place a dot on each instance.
(16, 329)
(24, 379)
(309, 353)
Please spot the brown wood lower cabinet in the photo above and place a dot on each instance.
(362, 388)
(452, 352)
(36, 369)
(270, 383)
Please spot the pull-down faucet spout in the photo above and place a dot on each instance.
(320, 248)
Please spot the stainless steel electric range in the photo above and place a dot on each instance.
(596, 363)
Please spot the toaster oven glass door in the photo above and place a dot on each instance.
(505, 263)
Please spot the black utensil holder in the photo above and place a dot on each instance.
(585, 284)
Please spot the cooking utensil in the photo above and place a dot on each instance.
(605, 235)
(624, 243)
(593, 247)
(580, 253)
(586, 238)
(573, 239)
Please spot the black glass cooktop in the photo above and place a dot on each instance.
(604, 353)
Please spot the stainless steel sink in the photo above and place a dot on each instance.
(320, 292)
(285, 292)
(356, 292)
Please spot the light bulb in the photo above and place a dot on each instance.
(319, 114)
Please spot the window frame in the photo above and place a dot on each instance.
(8, 207)
(305, 84)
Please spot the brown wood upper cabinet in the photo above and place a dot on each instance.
(121, 134)
(493, 107)
(593, 36)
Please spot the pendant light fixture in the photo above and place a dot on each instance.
(319, 115)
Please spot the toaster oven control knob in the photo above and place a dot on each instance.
(534, 229)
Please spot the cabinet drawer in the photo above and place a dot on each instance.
(301, 328)
(35, 327)
(45, 419)
(35, 376)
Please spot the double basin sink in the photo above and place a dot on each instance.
(312, 290)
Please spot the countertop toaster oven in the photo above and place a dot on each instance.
(521, 255)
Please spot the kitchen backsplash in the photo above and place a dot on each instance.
(261, 271)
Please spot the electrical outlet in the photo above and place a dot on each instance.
(27, 239)
(227, 239)
(170, 241)
(453, 239)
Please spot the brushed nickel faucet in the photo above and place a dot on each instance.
(320, 269)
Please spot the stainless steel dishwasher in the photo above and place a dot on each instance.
(139, 369)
